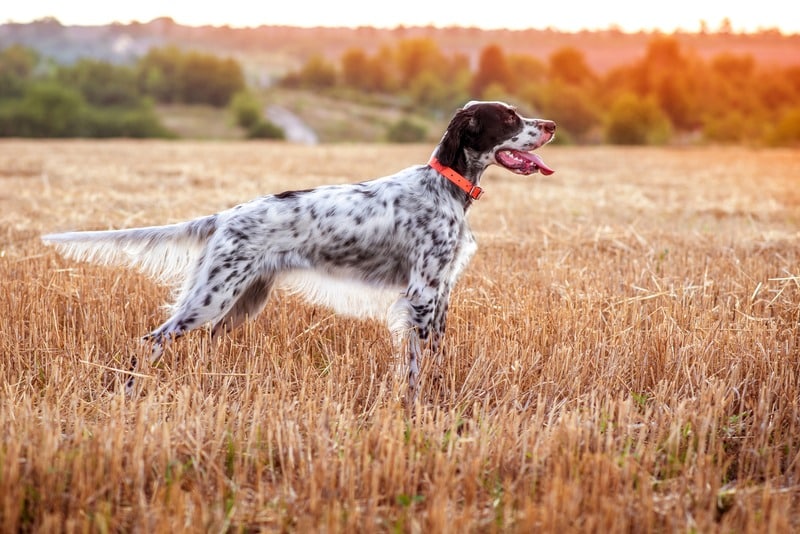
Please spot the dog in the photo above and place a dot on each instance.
(394, 246)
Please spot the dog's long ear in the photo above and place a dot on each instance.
(462, 129)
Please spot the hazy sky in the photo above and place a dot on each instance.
(513, 14)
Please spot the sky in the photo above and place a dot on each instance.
(566, 15)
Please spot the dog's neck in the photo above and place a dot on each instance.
(468, 170)
(473, 191)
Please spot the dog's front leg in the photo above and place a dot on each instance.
(439, 323)
(411, 321)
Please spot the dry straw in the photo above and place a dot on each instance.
(622, 356)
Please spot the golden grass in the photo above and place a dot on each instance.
(623, 355)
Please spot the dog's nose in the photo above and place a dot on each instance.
(549, 126)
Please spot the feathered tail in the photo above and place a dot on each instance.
(164, 252)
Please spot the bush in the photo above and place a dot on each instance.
(101, 83)
(265, 129)
(46, 110)
(729, 128)
(406, 131)
(111, 122)
(316, 73)
(787, 130)
(636, 121)
(171, 75)
(247, 110)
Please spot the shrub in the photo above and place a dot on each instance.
(265, 129)
(406, 131)
(46, 110)
(247, 109)
(725, 129)
(139, 122)
(787, 130)
(636, 121)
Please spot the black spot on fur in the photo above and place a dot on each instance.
(291, 194)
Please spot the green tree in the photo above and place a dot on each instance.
(101, 83)
(16, 69)
(206, 79)
(316, 73)
(170, 75)
(158, 73)
(248, 112)
(572, 107)
(265, 130)
(247, 109)
(46, 110)
(633, 120)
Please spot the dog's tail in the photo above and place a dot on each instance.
(164, 252)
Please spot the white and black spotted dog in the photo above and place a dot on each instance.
(392, 247)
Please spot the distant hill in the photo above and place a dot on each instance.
(269, 51)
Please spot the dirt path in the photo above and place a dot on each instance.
(293, 126)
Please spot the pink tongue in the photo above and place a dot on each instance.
(523, 162)
(544, 169)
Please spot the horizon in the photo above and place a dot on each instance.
(567, 16)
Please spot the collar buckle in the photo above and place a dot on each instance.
(472, 190)
(475, 193)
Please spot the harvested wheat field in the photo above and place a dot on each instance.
(623, 355)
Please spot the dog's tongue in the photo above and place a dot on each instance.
(523, 162)
(543, 168)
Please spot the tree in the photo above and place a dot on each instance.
(170, 75)
(568, 65)
(206, 79)
(247, 109)
(16, 67)
(248, 113)
(787, 131)
(633, 120)
(417, 56)
(158, 73)
(572, 107)
(355, 66)
(674, 96)
(492, 69)
(369, 74)
(101, 83)
(46, 110)
(316, 73)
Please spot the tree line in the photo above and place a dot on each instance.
(98, 99)
(669, 95)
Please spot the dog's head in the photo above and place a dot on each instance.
(486, 133)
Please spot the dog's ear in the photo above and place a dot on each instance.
(462, 128)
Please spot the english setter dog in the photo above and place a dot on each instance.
(391, 247)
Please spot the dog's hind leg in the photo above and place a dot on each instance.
(249, 304)
(222, 296)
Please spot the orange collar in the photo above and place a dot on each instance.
(465, 185)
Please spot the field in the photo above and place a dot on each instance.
(623, 355)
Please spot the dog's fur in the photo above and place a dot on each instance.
(404, 237)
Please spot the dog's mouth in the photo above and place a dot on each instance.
(522, 162)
